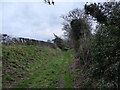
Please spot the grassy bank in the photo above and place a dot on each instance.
(35, 67)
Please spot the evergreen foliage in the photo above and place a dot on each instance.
(105, 56)
(98, 54)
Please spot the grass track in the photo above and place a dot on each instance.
(36, 67)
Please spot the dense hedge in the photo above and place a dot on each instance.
(105, 52)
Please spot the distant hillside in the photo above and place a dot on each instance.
(31, 66)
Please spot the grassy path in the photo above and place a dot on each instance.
(36, 67)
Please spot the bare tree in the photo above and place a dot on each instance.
(72, 15)
(49, 2)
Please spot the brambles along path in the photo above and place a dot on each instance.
(35, 67)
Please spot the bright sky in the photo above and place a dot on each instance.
(35, 20)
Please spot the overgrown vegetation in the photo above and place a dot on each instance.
(35, 67)
(105, 56)
(97, 61)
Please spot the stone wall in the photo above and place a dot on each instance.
(8, 40)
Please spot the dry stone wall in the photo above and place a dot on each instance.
(8, 40)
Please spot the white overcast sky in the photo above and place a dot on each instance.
(35, 20)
